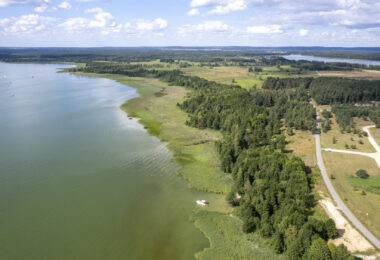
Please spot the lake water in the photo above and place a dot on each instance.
(323, 59)
(79, 180)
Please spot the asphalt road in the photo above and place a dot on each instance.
(355, 222)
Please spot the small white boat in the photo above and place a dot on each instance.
(202, 202)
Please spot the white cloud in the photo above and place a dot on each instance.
(193, 12)
(265, 29)
(94, 10)
(25, 24)
(45, 6)
(105, 23)
(156, 24)
(198, 3)
(6, 3)
(303, 32)
(41, 8)
(207, 26)
(215, 26)
(64, 5)
(221, 6)
(102, 21)
(236, 5)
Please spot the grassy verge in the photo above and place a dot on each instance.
(194, 151)
(350, 188)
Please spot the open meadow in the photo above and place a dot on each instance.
(342, 169)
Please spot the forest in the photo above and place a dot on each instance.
(327, 91)
(275, 190)
(350, 97)
(345, 114)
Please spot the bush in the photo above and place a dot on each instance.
(362, 174)
(331, 230)
(326, 114)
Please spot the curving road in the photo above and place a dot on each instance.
(355, 222)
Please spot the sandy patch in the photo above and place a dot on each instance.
(349, 236)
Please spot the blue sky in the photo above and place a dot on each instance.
(80, 23)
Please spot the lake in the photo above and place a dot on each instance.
(297, 57)
(79, 180)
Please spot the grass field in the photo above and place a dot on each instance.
(236, 75)
(302, 144)
(365, 74)
(345, 138)
(375, 132)
(349, 187)
(194, 151)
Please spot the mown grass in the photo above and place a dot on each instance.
(343, 167)
(375, 132)
(195, 153)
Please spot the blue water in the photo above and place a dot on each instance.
(297, 57)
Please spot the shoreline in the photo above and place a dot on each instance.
(193, 150)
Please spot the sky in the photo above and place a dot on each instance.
(97, 23)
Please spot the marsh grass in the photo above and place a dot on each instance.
(227, 240)
(194, 151)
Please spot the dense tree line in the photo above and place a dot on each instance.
(345, 113)
(275, 189)
(286, 83)
(340, 90)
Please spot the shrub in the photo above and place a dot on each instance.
(331, 230)
(362, 174)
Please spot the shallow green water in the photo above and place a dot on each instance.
(79, 180)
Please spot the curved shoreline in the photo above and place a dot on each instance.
(194, 152)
